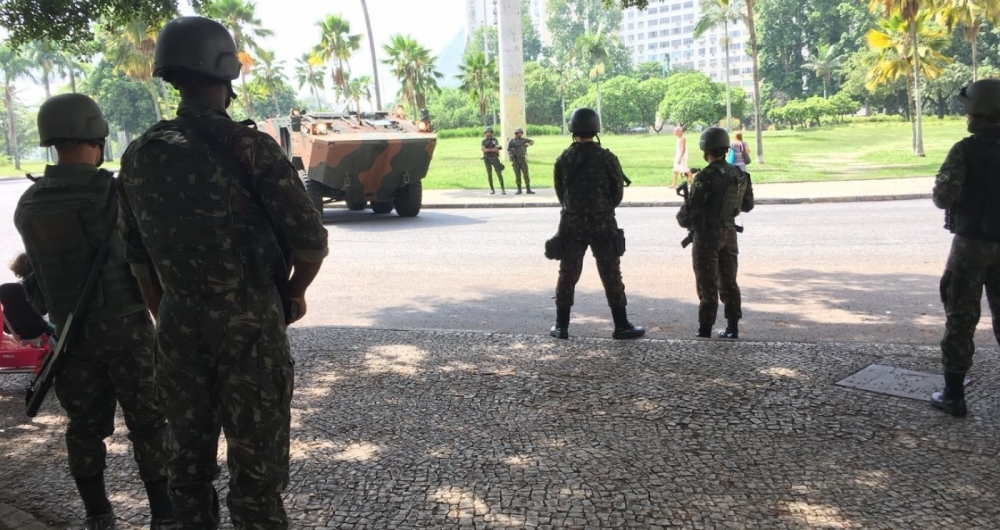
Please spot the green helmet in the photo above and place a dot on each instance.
(198, 46)
(584, 122)
(713, 138)
(72, 117)
(488, 129)
(981, 97)
(518, 130)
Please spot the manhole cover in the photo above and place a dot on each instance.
(895, 382)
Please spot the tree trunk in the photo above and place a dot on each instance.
(598, 81)
(562, 100)
(277, 110)
(371, 45)
(156, 99)
(729, 108)
(910, 114)
(72, 80)
(247, 104)
(918, 147)
(756, 83)
(975, 53)
(166, 99)
(8, 100)
(825, 82)
(49, 151)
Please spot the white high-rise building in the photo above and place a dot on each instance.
(664, 32)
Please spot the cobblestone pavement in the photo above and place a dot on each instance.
(463, 430)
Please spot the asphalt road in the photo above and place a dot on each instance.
(817, 272)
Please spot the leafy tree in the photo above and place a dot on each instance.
(531, 41)
(337, 45)
(619, 99)
(942, 89)
(970, 15)
(593, 49)
(451, 109)
(479, 80)
(567, 20)
(357, 89)
(414, 67)
(240, 18)
(131, 51)
(26, 137)
(69, 66)
(263, 98)
(12, 67)
(648, 70)
(755, 58)
(566, 77)
(649, 95)
(841, 105)
(308, 71)
(541, 103)
(824, 63)
(270, 74)
(716, 13)
(45, 58)
(475, 44)
(690, 98)
(124, 101)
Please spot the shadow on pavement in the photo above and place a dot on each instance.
(366, 221)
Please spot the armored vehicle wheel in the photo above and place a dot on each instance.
(356, 206)
(382, 207)
(315, 192)
(408, 198)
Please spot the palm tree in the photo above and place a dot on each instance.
(713, 14)
(414, 67)
(594, 48)
(892, 40)
(240, 18)
(12, 66)
(479, 80)
(357, 89)
(371, 46)
(970, 15)
(752, 31)
(564, 74)
(337, 44)
(271, 76)
(130, 49)
(45, 58)
(307, 72)
(824, 63)
(909, 10)
(68, 66)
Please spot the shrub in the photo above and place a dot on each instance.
(542, 130)
(475, 132)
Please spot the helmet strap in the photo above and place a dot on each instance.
(232, 94)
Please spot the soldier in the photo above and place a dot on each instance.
(589, 184)
(62, 218)
(491, 157)
(718, 194)
(517, 150)
(206, 204)
(968, 186)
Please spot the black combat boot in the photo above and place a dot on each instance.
(100, 514)
(518, 189)
(732, 330)
(105, 521)
(623, 328)
(530, 192)
(561, 329)
(952, 398)
(704, 331)
(160, 509)
(502, 189)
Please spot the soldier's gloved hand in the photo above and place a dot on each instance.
(300, 305)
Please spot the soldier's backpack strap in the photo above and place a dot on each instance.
(283, 265)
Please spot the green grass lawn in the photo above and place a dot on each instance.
(844, 152)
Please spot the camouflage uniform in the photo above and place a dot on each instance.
(113, 358)
(517, 150)
(589, 183)
(492, 161)
(718, 194)
(225, 361)
(974, 261)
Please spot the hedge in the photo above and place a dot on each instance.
(476, 132)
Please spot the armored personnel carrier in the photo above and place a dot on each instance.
(376, 159)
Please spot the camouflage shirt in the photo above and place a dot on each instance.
(518, 147)
(270, 183)
(491, 143)
(588, 179)
(707, 196)
(950, 178)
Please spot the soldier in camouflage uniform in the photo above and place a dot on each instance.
(517, 150)
(968, 187)
(589, 184)
(206, 201)
(718, 194)
(62, 219)
(491, 157)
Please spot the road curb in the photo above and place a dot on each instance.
(13, 519)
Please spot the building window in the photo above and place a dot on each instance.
(688, 17)
(664, 32)
(642, 24)
(652, 34)
(689, 42)
(652, 46)
(675, 7)
(688, 5)
(652, 23)
(631, 25)
(676, 19)
(675, 31)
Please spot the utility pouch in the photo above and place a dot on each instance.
(620, 242)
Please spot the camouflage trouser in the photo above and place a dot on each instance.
(493, 162)
(520, 166)
(971, 265)
(225, 363)
(113, 361)
(715, 256)
(577, 232)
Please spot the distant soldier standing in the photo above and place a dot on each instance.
(206, 202)
(589, 184)
(491, 157)
(718, 194)
(62, 219)
(517, 150)
(968, 187)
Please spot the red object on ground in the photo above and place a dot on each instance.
(20, 356)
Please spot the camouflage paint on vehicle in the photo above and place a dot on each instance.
(377, 158)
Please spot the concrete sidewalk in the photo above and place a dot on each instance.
(767, 193)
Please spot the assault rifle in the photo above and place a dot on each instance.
(56, 359)
(682, 191)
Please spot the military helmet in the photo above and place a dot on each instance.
(73, 117)
(981, 97)
(196, 45)
(488, 129)
(713, 138)
(584, 121)
(518, 130)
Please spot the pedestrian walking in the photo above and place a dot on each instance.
(718, 194)
(968, 188)
(680, 157)
(62, 218)
(517, 150)
(589, 184)
(207, 205)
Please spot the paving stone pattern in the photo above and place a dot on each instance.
(462, 430)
